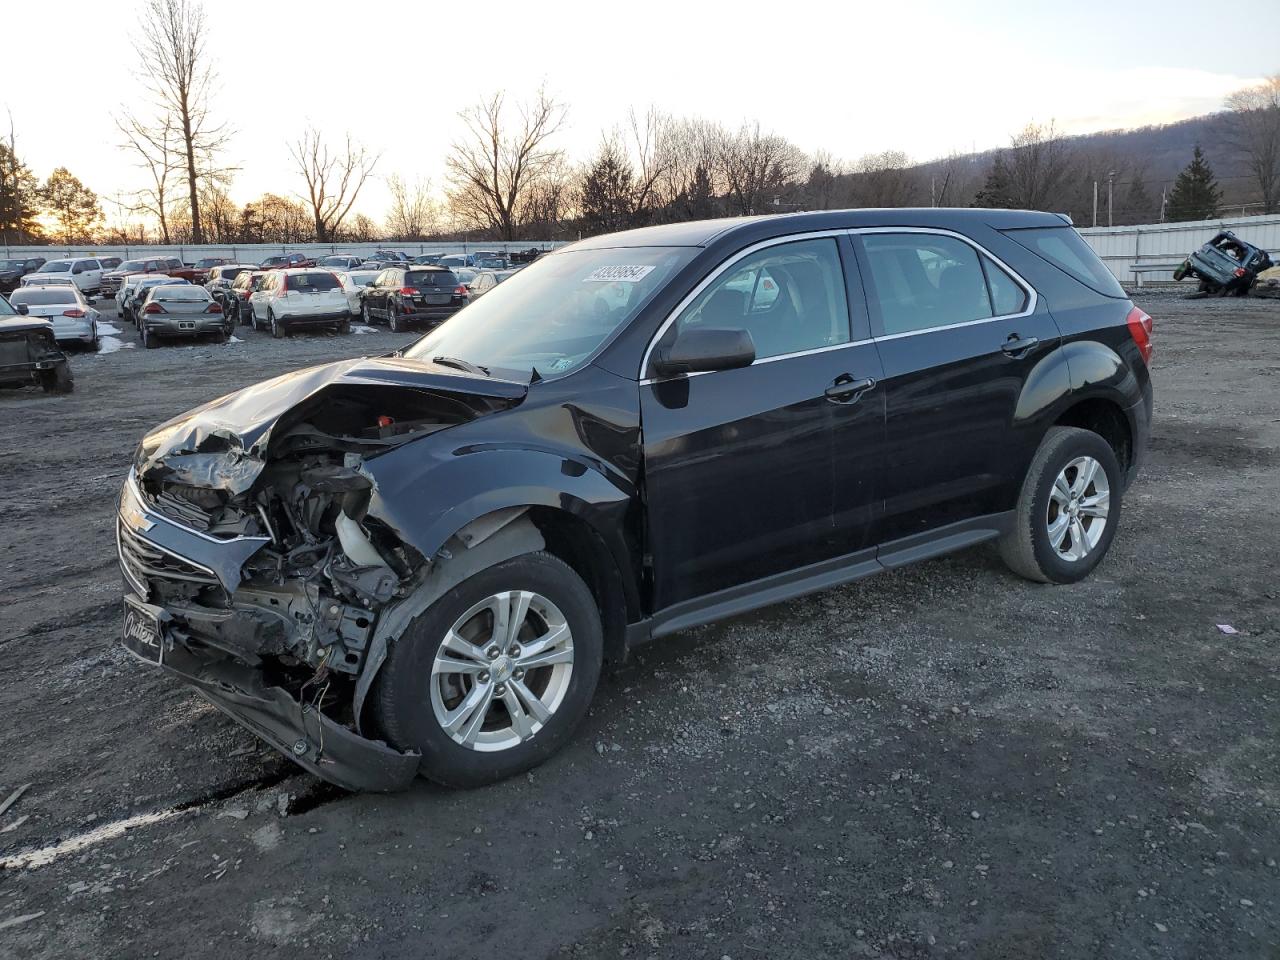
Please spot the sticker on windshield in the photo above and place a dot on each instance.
(619, 274)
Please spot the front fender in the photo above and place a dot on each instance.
(427, 494)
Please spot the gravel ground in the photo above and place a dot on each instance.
(941, 761)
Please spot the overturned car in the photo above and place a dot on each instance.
(1226, 265)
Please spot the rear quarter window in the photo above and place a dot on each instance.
(1066, 250)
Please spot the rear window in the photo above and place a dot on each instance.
(133, 266)
(430, 278)
(175, 293)
(1066, 250)
(42, 296)
(314, 281)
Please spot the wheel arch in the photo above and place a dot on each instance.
(1104, 416)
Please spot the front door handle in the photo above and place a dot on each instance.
(1018, 347)
(846, 389)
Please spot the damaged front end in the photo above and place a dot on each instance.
(256, 568)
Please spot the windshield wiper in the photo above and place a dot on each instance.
(461, 365)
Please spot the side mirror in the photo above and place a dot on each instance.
(699, 349)
(23, 309)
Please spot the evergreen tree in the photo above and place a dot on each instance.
(1195, 194)
(996, 191)
(19, 195)
(73, 204)
(606, 192)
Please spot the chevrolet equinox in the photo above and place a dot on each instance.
(417, 563)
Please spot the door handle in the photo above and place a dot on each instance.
(1017, 346)
(846, 389)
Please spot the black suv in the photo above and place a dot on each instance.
(418, 562)
(412, 296)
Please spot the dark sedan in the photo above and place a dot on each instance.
(12, 271)
(405, 297)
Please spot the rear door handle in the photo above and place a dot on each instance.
(1017, 346)
(847, 390)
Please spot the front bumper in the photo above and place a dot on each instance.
(219, 662)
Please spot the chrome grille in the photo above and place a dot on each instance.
(179, 509)
(142, 561)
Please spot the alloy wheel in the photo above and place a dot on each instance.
(1078, 506)
(503, 670)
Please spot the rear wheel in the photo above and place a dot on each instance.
(149, 340)
(493, 677)
(96, 344)
(57, 380)
(364, 315)
(394, 323)
(278, 329)
(345, 326)
(1068, 509)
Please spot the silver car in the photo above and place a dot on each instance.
(180, 310)
(135, 289)
(73, 319)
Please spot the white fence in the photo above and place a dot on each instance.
(257, 252)
(1151, 251)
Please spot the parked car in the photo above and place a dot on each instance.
(290, 299)
(491, 263)
(428, 259)
(460, 533)
(137, 294)
(403, 297)
(48, 280)
(13, 270)
(1225, 265)
(486, 280)
(219, 278)
(464, 274)
(340, 262)
(286, 261)
(110, 263)
(85, 273)
(235, 300)
(453, 261)
(172, 310)
(29, 354)
(392, 256)
(74, 320)
(112, 279)
(354, 283)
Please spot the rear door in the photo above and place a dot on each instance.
(739, 464)
(958, 335)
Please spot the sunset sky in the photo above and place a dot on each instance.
(850, 78)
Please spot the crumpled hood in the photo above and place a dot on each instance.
(222, 445)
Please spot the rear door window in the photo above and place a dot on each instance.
(1066, 250)
(921, 281)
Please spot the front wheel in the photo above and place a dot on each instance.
(1068, 509)
(493, 678)
(57, 380)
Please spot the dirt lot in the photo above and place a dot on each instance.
(943, 761)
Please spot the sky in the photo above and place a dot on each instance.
(849, 78)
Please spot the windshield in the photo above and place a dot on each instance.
(554, 315)
(133, 266)
(11, 264)
(42, 296)
(55, 266)
(5, 309)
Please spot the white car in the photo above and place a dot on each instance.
(299, 297)
(85, 273)
(48, 280)
(353, 284)
(130, 288)
(73, 319)
(486, 280)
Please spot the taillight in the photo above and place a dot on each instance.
(1239, 271)
(460, 291)
(1140, 326)
(153, 308)
(284, 283)
(213, 308)
(74, 312)
(408, 291)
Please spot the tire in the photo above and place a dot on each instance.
(278, 329)
(408, 696)
(241, 318)
(344, 327)
(364, 315)
(394, 323)
(1028, 549)
(96, 345)
(57, 380)
(149, 341)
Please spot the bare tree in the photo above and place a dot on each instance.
(334, 178)
(1036, 166)
(1253, 129)
(494, 169)
(886, 180)
(759, 169)
(414, 214)
(157, 148)
(173, 55)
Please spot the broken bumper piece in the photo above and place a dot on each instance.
(318, 744)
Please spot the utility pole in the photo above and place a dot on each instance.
(1111, 182)
(1095, 203)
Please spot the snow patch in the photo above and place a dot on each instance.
(108, 329)
(111, 345)
(361, 328)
